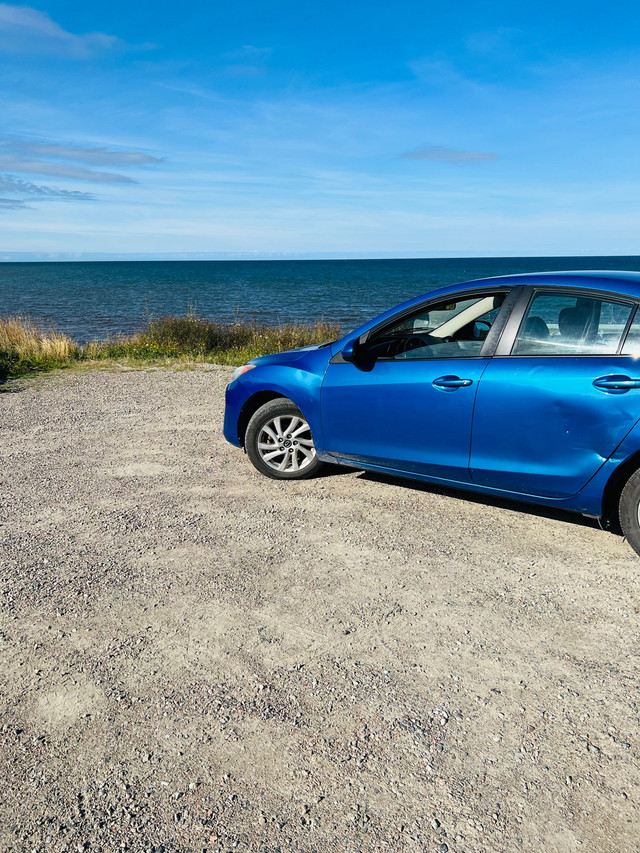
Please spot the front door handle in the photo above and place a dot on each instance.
(616, 383)
(450, 383)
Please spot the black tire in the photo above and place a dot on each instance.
(628, 509)
(279, 443)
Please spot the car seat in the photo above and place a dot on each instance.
(572, 324)
(535, 329)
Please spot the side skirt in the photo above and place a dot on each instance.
(576, 503)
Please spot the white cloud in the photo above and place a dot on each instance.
(48, 158)
(27, 30)
(92, 156)
(12, 204)
(195, 91)
(18, 186)
(13, 163)
(448, 155)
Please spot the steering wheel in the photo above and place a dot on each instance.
(414, 342)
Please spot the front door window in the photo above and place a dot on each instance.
(449, 329)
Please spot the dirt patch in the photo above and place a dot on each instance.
(197, 658)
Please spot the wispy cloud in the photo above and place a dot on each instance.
(247, 61)
(249, 52)
(14, 163)
(444, 77)
(92, 156)
(18, 186)
(24, 29)
(499, 41)
(52, 158)
(12, 204)
(195, 91)
(448, 155)
(438, 73)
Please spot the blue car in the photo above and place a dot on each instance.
(524, 387)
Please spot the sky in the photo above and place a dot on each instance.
(306, 129)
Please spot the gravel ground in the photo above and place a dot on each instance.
(195, 658)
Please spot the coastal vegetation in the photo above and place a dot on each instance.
(25, 348)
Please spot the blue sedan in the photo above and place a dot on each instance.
(524, 387)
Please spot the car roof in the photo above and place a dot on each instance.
(591, 279)
(612, 281)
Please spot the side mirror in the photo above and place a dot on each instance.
(349, 350)
(356, 352)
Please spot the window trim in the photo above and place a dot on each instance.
(514, 324)
(489, 343)
(627, 329)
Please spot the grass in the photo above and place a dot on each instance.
(25, 349)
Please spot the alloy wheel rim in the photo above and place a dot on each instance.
(285, 443)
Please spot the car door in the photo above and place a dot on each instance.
(406, 402)
(559, 395)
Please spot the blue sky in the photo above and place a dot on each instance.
(313, 130)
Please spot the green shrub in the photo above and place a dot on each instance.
(23, 349)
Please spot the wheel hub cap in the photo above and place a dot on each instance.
(285, 443)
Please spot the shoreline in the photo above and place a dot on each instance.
(95, 301)
(25, 349)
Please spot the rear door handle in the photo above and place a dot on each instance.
(450, 383)
(616, 383)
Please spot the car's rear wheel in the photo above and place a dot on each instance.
(279, 443)
(629, 511)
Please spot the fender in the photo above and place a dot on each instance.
(602, 492)
(299, 380)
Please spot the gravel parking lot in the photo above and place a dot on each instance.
(195, 658)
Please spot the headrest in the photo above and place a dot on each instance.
(572, 323)
(536, 329)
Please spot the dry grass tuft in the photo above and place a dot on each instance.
(22, 338)
(25, 349)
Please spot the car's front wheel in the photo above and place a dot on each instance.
(629, 511)
(279, 443)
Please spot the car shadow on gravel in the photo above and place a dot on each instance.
(486, 500)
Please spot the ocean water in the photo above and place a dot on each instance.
(96, 300)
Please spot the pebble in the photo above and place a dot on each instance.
(130, 491)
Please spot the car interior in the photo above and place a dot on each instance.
(554, 324)
(446, 330)
(557, 324)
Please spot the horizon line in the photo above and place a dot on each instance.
(97, 257)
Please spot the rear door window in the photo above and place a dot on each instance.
(569, 324)
(632, 341)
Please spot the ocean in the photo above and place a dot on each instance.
(96, 300)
